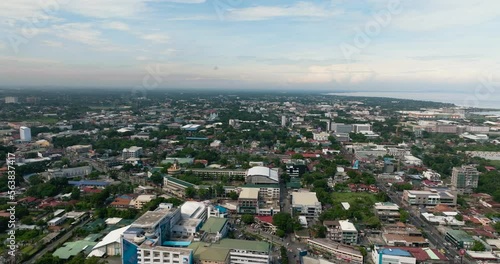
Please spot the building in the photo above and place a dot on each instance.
(232, 251)
(387, 212)
(132, 152)
(322, 136)
(11, 100)
(139, 202)
(392, 255)
(191, 127)
(338, 251)
(153, 228)
(69, 172)
(215, 229)
(268, 198)
(295, 167)
(176, 186)
(306, 204)
(147, 254)
(79, 148)
(430, 197)
(459, 238)
(341, 128)
(71, 249)
(57, 221)
(110, 245)
(359, 128)
(404, 240)
(262, 175)
(341, 231)
(248, 201)
(266, 192)
(218, 173)
(464, 179)
(283, 121)
(25, 134)
(196, 210)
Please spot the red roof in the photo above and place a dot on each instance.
(489, 168)
(267, 219)
(91, 190)
(421, 255)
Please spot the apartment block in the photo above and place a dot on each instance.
(464, 179)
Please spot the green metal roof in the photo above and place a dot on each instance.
(460, 235)
(203, 253)
(181, 182)
(71, 249)
(214, 224)
(93, 237)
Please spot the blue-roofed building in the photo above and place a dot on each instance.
(383, 255)
(84, 183)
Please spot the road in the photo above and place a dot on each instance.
(432, 233)
(288, 242)
(55, 243)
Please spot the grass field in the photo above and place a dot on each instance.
(494, 163)
(351, 197)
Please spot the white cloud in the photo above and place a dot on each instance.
(116, 26)
(435, 15)
(169, 52)
(108, 8)
(397, 70)
(30, 13)
(186, 1)
(79, 32)
(51, 43)
(2, 45)
(300, 9)
(156, 38)
(141, 58)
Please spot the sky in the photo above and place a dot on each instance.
(333, 45)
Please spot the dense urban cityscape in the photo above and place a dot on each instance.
(114, 176)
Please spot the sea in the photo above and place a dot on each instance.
(460, 99)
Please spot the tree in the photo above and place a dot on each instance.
(404, 215)
(497, 227)
(49, 259)
(459, 217)
(247, 219)
(190, 192)
(478, 246)
(233, 195)
(75, 193)
(156, 178)
(284, 255)
(320, 231)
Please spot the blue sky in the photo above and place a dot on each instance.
(322, 44)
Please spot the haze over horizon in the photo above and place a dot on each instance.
(323, 45)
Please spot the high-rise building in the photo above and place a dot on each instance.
(283, 121)
(25, 134)
(464, 179)
(11, 100)
(132, 152)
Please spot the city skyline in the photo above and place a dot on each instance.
(329, 45)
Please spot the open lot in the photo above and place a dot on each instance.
(352, 197)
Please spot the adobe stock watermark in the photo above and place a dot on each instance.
(33, 25)
(11, 184)
(483, 91)
(364, 36)
(222, 7)
(150, 81)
